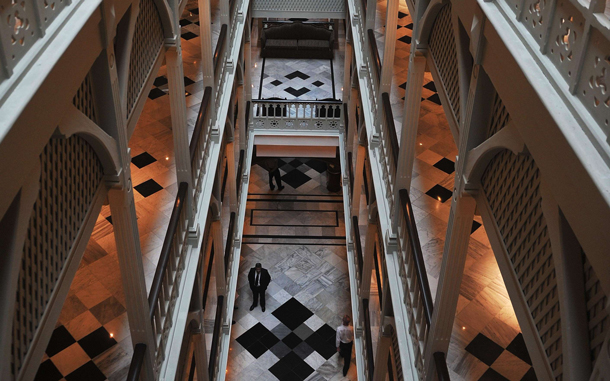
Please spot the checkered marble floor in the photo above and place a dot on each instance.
(302, 79)
(297, 234)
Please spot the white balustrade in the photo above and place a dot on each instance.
(297, 115)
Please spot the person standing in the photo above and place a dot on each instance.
(259, 279)
(345, 342)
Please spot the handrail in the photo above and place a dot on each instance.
(229, 244)
(216, 336)
(208, 276)
(286, 101)
(137, 360)
(378, 276)
(222, 39)
(440, 363)
(201, 117)
(240, 169)
(350, 170)
(224, 183)
(389, 120)
(358, 243)
(346, 118)
(368, 338)
(420, 267)
(174, 222)
(375, 51)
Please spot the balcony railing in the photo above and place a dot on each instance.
(297, 115)
(135, 368)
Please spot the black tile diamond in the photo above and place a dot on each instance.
(402, 15)
(276, 83)
(518, 348)
(257, 349)
(188, 81)
(295, 179)
(317, 83)
(326, 348)
(297, 93)
(303, 350)
(48, 372)
(280, 349)
(185, 22)
(156, 93)
(292, 313)
(188, 35)
(405, 39)
(194, 11)
(60, 340)
(253, 334)
(409, 26)
(439, 193)
(530, 376)
(492, 375)
(97, 342)
(475, 226)
(326, 332)
(89, 372)
(445, 165)
(403, 86)
(109, 219)
(430, 86)
(484, 349)
(318, 165)
(148, 187)
(269, 340)
(291, 367)
(143, 159)
(434, 98)
(292, 340)
(160, 81)
(296, 163)
(398, 26)
(297, 73)
(257, 340)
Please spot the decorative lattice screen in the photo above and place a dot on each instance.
(499, 117)
(83, 100)
(596, 309)
(512, 186)
(318, 6)
(71, 173)
(442, 48)
(147, 42)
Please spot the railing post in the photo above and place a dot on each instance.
(371, 13)
(207, 53)
(387, 66)
(408, 135)
(232, 181)
(175, 76)
(383, 353)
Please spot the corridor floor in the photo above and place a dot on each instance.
(298, 234)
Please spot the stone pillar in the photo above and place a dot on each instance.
(231, 179)
(567, 256)
(387, 66)
(225, 9)
(408, 135)
(383, 353)
(369, 253)
(207, 53)
(177, 102)
(127, 239)
(371, 12)
(358, 179)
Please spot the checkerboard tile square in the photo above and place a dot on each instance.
(445, 165)
(48, 372)
(296, 74)
(60, 340)
(439, 193)
(188, 35)
(148, 188)
(292, 313)
(89, 372)
(475, 226)
(292, 340)
(492, 375)
(156, 93)
(518, 348)
(276, 83)
(405, 39)
(484, 349)
(143, 159)
(97, 342)
(295, 179)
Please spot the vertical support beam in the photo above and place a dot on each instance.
(567, 256)
(225, 9)
(347, 68)
(201, 355)
(408, 135)
(219, 263)
(358, 179)
(177, 103)
(383, 353)
(387, 66)
(207, 53)
(371, 13)
(231, 180)
(241, 115)
(369, 252)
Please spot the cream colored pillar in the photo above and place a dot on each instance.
(369, 253)
(358, 179)
(383, 353)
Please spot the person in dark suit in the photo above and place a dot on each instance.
(259, 279)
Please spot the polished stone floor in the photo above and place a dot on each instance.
(298, 234)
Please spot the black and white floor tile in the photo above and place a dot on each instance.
(510, 363)
(302, 79)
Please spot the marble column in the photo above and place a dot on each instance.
(408, 135)
(567, 257)
(177, 102)
(383, 353)
(207, 53)
(387, 66)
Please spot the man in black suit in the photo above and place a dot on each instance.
(259, 279)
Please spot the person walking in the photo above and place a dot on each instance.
(345, 342)
(274, 171)
(259, 279)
